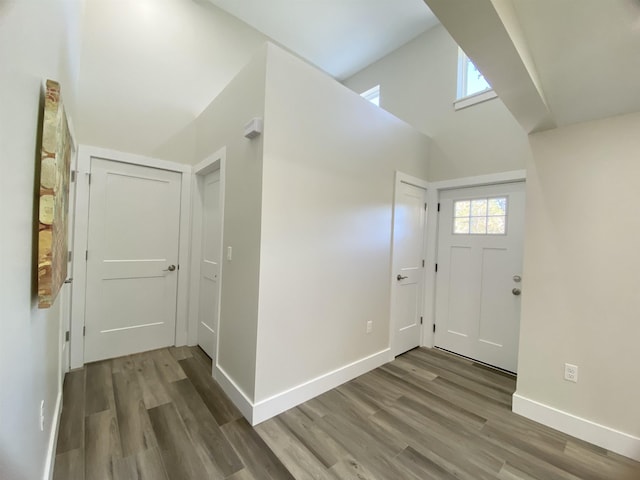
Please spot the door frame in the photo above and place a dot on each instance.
(433, 197)
(417, 182)
(81, 230)
(215, 161)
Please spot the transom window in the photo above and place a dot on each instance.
(472, 86)
(480, 216)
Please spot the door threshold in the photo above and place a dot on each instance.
(478, 362)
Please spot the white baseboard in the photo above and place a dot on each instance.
(256, 413)
(234, 392)
(600, 435)
(272, 406)
(53, 439)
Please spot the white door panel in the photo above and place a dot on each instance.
(408, 272)
(134, 216)
(477, 314)
(210, 264)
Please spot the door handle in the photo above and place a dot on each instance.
(170, 268)
(400, 277)
(516, 291)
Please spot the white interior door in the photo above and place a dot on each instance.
(408, 266)
(479, 273)
(210, 264)
(134, 215)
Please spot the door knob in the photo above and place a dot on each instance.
(170, 268)
(400, 277)
(516, 291)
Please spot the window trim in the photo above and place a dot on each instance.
(468, 100)
(372, 93)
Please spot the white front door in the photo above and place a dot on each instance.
(479, 273)
(134, 215)
(210, 264)
(409, 217)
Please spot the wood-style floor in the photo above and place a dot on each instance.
(427, 415)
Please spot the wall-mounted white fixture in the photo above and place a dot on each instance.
(253, 128)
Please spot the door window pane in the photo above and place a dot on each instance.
(480, 216)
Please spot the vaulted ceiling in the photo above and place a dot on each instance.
(339, 36)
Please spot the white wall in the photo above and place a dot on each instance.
(33, 46)
(149, 68)
(582, 272)
(418, 84)
(327, 194)
(221, 125)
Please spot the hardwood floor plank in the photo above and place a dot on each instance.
(198, 354)
(168, 367)
(153, 392)
(449, 452)
(69, 465)
(413, 370)
(421, 467)
(211, 444)
(301, 462)
(178, 451)
(351, 469)
(222, 409)
(136, 433)
(102, 445)
(243, 474)
(325, 448)
(257, 457)
(71, 429)
(144, 465)
(180, 353)
(99, 388)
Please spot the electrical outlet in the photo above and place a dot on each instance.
(369, 326)
(571, 372)
(42, 416)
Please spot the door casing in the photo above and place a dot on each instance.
(215, 161)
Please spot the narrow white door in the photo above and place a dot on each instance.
(210, 264)
(408, 269)
(134, 215)
(478, 282)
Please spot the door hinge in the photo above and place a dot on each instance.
(89, 177)
(422, 263)
(420, 320)
(69, 256)
(73, 176)
(425, 206)
(178, 266)
(86, 254)
(438, 206)
(67, 336)
(434, 328)
(436, 268)
(84, 331)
